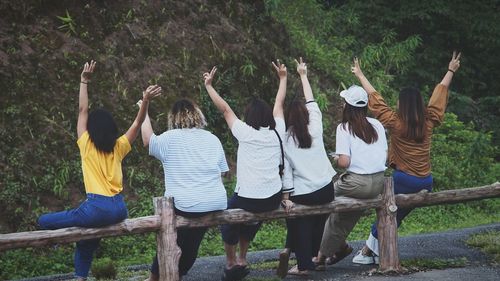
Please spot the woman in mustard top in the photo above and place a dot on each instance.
(101, 151)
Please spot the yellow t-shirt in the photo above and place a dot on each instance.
(102, 172)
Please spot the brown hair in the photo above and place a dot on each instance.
(259, 114)
(297, 119)
(185, 114)
(412, 113)
(358, 124)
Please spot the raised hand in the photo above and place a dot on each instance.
(151, 92)
(301, 67)
(209, 76)
(88, 69)
(280, 69)
(356, 69)
(454, 64)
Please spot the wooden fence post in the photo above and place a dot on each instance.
(168, 251)
(388, 230)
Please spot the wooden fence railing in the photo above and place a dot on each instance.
(165, 223)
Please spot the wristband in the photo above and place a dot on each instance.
(309, 101)
(84, 82)
(451, 71)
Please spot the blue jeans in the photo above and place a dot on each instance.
(406, 184)
(96, 211)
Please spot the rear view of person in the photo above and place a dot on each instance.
(310, 173)
(361, 148)
(258, 186)
(102, 152)
(410, 143)
(193, 161)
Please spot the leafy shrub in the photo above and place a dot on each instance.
(104, 268)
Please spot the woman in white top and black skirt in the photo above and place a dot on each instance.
(258, 187)
(309, 172)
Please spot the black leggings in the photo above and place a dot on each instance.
(189, 240)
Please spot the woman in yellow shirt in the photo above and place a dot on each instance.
(101, 151)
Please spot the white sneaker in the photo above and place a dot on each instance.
(362, 259)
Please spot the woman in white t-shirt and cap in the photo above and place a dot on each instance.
(259, 166)
(361, 148)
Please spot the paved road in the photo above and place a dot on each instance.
(443, 245)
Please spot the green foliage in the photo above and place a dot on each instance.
(104, 268)
(488, 242)
(398, 43)
(67, 23)
(462, 157)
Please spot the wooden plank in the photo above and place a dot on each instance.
(152, 223)
(388, 230)
(232, 216)
(168, 251)
(448, 196)
(72, 234)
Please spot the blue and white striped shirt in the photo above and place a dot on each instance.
(193, 160)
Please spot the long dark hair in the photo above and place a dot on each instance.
(297, 119)
(412, 113)
(358, 124)
(102, 130)
(259, 114)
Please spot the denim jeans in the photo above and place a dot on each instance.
(406, 184)
(96, 211)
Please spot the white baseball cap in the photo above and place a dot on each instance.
(355, 96)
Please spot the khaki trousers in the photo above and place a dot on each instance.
(339, 225)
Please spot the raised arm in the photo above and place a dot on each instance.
(376, 102)
(219, 102)
(356, 70)
(280, 95)
(302, 70)
(146, 128)
(150, 93)
(452, 68)
(83, 98)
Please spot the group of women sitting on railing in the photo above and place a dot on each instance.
(281, 160)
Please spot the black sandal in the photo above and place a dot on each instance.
(235, 273)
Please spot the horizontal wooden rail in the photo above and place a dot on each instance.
(152, 223)
(448, 197)
(72, 234)
(231, 216)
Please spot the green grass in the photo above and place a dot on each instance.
(488, 242)
(427, 264)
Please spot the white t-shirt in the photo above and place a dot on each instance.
(308, 169)
(259, 157)
(193, 160)
(365, 158)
